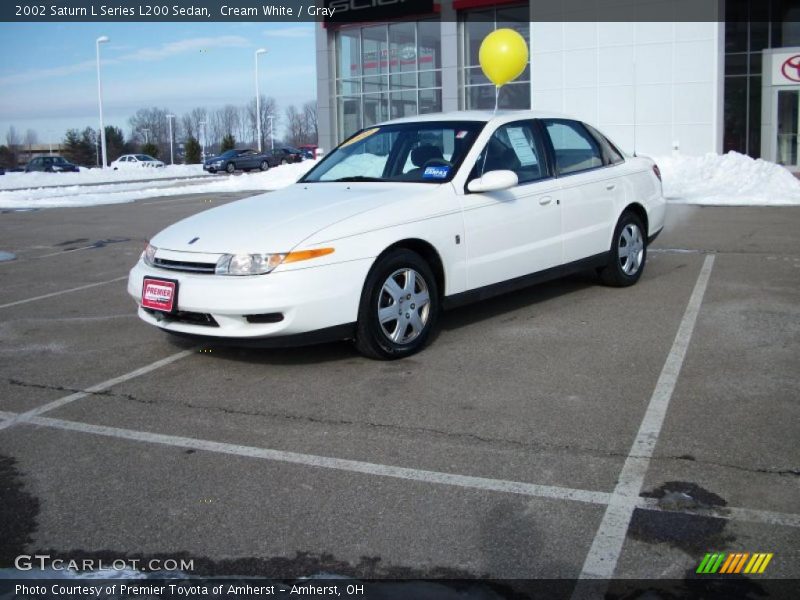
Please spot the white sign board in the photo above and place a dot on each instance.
(786, 68)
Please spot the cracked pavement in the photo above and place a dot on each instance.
(546, 386)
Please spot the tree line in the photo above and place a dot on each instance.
(194, 132)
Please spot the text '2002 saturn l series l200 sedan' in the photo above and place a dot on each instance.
(401, 220)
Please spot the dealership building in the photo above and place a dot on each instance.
(655, 87)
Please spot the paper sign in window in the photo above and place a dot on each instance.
(521, 146)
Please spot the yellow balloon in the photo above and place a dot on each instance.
(503, 56)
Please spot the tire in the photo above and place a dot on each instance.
(386, 288)
(230, 168)
(264, 165)
(625, 266)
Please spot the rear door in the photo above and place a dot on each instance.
(515, 232)
(590, 188)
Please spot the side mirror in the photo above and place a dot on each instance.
(494, 181)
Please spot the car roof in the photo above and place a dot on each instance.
(501, 116)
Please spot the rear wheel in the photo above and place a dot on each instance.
(628, 252)
(399, 307)
(230, 168)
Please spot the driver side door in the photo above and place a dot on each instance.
(515, 232)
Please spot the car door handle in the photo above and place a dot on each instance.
(545, 200)
(611, 187)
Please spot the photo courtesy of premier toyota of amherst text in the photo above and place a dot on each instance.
(400, 299)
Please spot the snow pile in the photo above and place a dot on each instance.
(74, 196)
(730, 179)
(12, 181)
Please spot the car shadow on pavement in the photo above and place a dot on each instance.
(471, 314)
(344, 351)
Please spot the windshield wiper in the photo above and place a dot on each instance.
(359, 178)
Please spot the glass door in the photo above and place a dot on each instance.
(788, 120)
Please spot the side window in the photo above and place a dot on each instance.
(513, 147)
(575, 149)
(612, 156)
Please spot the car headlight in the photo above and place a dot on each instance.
(149, 254)
(260, 264)
(248, 264)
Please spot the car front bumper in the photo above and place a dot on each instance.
(218, 306)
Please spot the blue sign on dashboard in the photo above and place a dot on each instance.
(436, 172)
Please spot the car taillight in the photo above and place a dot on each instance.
(657, 171)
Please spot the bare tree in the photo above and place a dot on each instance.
(150, 125)
(30, 139)
(311, 123)
(12, 138)
(192, 124)
(268, 107)
(224, 121)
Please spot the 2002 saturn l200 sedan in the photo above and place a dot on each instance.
(401, 220)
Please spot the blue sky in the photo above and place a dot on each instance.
(48, 76)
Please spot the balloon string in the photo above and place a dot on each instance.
(486, 150)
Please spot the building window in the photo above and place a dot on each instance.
(385, 72)
(750, 28)
(478, 91)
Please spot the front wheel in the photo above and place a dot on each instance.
(399, 307)
(264, 165)
(628, 252)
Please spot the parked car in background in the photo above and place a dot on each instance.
(309, 151)
(136, 161)
(240, 160)
(287, 154)
(403, 219)
(50, 164)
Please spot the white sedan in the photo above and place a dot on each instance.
(404, 219)
(136, 161)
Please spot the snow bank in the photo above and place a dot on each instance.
(11, 181)
(730, 179)
(75, 196)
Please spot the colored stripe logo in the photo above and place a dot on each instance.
(735, 562)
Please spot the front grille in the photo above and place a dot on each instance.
(185, 316)
(185, 266)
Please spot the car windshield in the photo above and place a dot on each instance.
(144, 157)
(425, 151)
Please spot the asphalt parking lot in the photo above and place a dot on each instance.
(563, 430)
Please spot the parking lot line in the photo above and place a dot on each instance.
(496, 485)
(764, 517)
(67, 291)
(340, 464)
(604, 553)
(21, 417)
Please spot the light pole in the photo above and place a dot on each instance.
(271, 133)
(146, 138)
(171, 157)
(101, 40)
(258, 98)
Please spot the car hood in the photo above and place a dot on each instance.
(280, 220)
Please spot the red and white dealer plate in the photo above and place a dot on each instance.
(159, 294)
